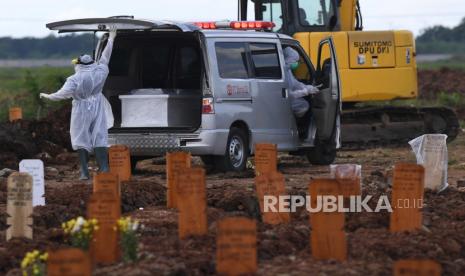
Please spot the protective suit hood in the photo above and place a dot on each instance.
(82, 67)
(291, 56)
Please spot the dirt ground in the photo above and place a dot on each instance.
(432, 82)
(283, 249)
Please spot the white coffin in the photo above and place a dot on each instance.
(144, 110)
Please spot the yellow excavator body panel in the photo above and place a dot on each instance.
(373, 65)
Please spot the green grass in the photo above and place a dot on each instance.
(21, 87)
(457, 62)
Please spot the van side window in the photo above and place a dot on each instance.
(305, 71)
(232, 60)
(265, 60)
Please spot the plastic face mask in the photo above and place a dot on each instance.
(294, 66)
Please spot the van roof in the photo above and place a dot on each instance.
(130, 23)
(242, 33)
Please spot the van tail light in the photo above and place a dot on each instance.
(207, 106)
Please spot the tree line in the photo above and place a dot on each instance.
(442, 40)
(48, 47)
(436, 39)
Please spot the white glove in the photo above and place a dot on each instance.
(43, 95)
(312, 90)
(112, 29)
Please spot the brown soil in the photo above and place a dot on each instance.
(282, 249)
(432, 82)
(42, 139)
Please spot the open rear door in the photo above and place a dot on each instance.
(103, 24)
(326, 106)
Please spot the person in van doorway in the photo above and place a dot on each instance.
(297, 90)
(91, 114)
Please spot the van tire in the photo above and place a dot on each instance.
(237, 152)
(322, 154)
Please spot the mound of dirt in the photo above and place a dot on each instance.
(139, 194)
(26, 139)
(433, 82)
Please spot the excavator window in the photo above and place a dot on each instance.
(315, 12)
(266, 10)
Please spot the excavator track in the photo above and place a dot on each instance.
(395, 126)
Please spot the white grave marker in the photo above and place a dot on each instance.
(36, 169)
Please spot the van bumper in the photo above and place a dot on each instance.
(203, 142)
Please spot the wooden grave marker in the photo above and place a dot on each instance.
(271, 184)
(15, 114)
(192, 203)
(266, 158)
(36, 169)
(104, 207)
(236, 246)
(120, 162)
(349, 177)
(328, 238)
(107, 182)
(175, 161)
(19, 206)
(417, 268)
(407, 197)
(66, 262)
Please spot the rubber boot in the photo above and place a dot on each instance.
(83, 160)
(101, 154)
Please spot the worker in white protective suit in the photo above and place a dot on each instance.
(297, 90)
(91, 115)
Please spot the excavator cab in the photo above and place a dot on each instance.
(297, 16)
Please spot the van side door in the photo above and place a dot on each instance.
(326, 105)
(274, 120)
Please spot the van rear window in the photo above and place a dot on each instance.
(232, 60)
(265, 60)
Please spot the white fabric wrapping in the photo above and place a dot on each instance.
(431, 152)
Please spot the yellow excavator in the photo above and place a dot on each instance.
(375, 67)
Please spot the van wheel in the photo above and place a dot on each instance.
(237, 152)
(322, 154)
